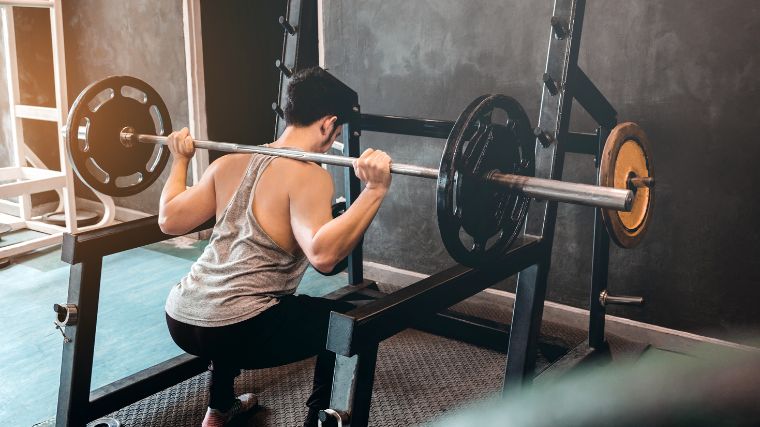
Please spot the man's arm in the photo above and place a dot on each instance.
(324, 240)
(181, 209)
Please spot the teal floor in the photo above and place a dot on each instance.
(131, 335)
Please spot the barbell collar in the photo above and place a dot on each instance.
(539, 188)
(642, 181)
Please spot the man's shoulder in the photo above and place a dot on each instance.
(300, 177)
(230, 159)
(301, 170)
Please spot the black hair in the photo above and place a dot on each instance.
(314, 93)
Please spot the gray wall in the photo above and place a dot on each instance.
(684, 69)
(141, 38)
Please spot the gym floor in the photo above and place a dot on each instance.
(131, 335)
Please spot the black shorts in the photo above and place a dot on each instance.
(294, 329)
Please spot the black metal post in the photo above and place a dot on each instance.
(526, 326)
(352, 148)
(353, 379)
(599, 264)
(76, 361)
(411, 126)
(299, 48)
(554, 119)
(593, 101)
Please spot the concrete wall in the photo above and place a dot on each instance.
(142, 38)
(683, 69)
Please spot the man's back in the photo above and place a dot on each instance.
(273, 194)
(243, 270)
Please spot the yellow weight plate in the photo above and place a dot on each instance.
(626, 155)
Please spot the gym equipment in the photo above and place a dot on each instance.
(84, 218)
(484, 181)
(105, 422)
(625, 161)
(354, 336)
(4, 228)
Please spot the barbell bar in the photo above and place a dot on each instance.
(537, 188)
(116, 139)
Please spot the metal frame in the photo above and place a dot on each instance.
(538, 188)
(38, 178)
(196, 87)
(354, 336)
(300, 49)
(77, 405)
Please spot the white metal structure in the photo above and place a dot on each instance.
(36, 178)
(196, 87)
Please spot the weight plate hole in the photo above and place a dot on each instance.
(96, 171)
(154, 160)
(134, 93)
(499, 116)
(158, 121)
(83, 134)
(465, 238)
(100, 99)
(129, 180)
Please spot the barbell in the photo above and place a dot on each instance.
(116, 137)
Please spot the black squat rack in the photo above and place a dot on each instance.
(354, 336)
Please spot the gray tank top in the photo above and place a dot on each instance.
(242, 271)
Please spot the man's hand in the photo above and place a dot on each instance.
(373, 167)
(181, 145)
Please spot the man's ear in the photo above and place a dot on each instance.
(328, 125)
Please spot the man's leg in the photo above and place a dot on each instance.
(210, 344)
(222, 386)
(300, 333)
(223, 405)
(320, 392)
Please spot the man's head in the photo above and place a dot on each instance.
(320, 101)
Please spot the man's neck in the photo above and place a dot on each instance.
(294, 137)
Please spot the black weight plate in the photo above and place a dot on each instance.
(488, 217)
(100, 159)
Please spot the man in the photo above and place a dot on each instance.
(236, 306)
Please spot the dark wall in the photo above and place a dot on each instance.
(685, 70)
(241, 41)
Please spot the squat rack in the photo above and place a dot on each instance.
(355, 336)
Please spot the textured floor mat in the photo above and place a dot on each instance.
(419, 377)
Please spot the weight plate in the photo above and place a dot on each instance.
(477, 221)
(626, 155)
(97, 155)
(83, 218)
